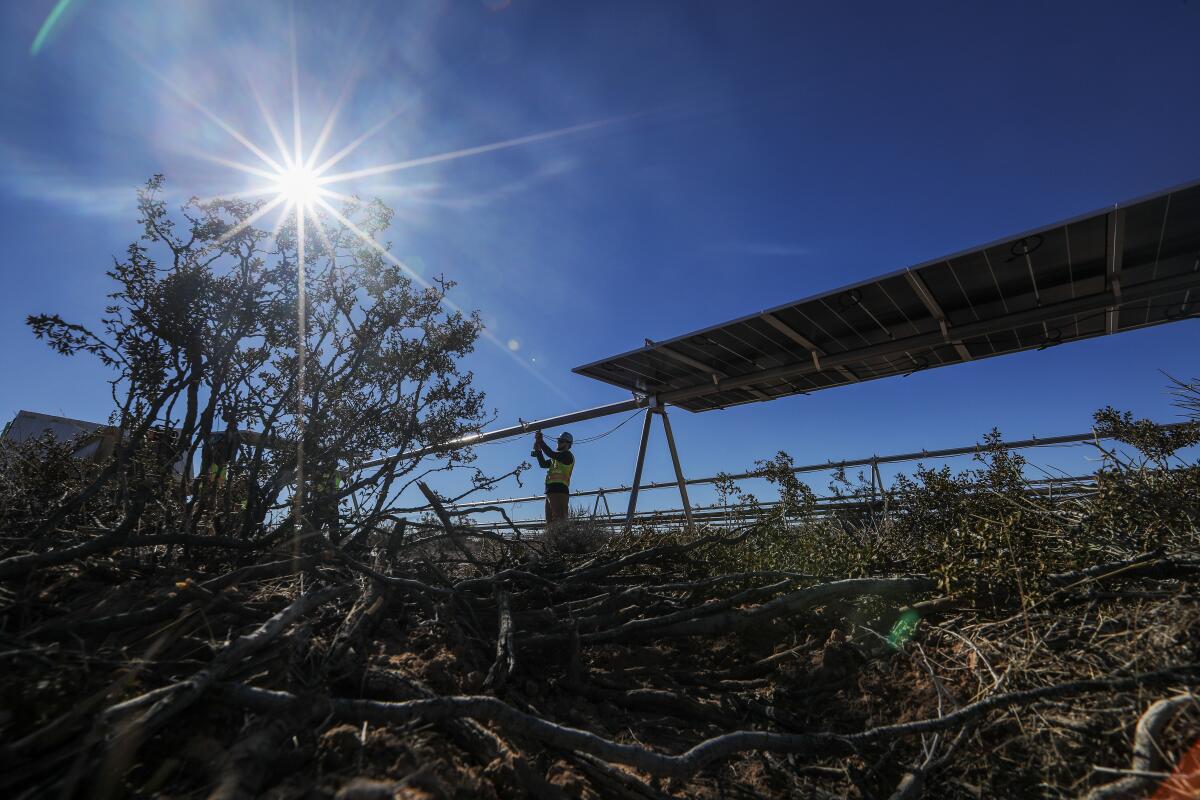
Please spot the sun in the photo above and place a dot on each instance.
(298, 183)
(298, 186)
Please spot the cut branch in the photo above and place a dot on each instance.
(812, 745)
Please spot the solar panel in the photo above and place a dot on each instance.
(1131, 266)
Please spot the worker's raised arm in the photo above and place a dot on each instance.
(541, 451)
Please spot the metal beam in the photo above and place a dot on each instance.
(847, 374)
(691, 362)
(700, 365)
(515, 430)
(683, 495)
(797, 337)
(1115, 259)
(935, 309)
(637, 471)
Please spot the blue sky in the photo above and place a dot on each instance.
(750, 154)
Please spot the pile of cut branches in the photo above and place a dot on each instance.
(450, 664)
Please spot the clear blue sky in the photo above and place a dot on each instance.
(753, 153)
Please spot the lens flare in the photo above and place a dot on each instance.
(904, 629)
(52, 19)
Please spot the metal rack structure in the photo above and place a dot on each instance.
(1134, 265)
(876, 500)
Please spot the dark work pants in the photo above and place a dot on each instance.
(556, 507)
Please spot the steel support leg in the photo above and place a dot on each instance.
(876, 486)
(602, 497)
(876, 477)
(637, 472)
(683, 495)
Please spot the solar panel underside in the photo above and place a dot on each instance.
(1135, 265)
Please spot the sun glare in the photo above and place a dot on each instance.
(298, 185)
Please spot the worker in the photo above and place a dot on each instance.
(222, 450)
(558, 465)
(327, 486)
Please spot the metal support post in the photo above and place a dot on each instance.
(601, 498)
(877, 479)
(683, 495)
(874, 491)
(637, 472)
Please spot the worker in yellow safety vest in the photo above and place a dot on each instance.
(327, 487)
(222, 450)
(559, 464)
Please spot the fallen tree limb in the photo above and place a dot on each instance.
(819, 744)
(1147, 754)
(912, 785)
(166, 609)
(194, 540)
(1143, 566)
(505, 575)
(732, 620)
(506, 645)
(651, 700)
(480, 509)
(17, 566)
(167, 704)
(447, 523)
(459, 531)
(638, 593)
(592, 570)
(245, 769)
(411, 585)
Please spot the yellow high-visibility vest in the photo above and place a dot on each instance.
(327, 484)
(559, 472)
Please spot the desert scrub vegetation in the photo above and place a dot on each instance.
(166, 632)
(985, 531)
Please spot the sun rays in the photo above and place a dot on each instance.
(301, 185)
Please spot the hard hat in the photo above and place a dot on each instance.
(566, 437)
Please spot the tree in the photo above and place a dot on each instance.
(202, 334)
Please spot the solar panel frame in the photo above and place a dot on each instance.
(1134, 264)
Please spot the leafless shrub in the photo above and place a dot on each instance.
(579, 534)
